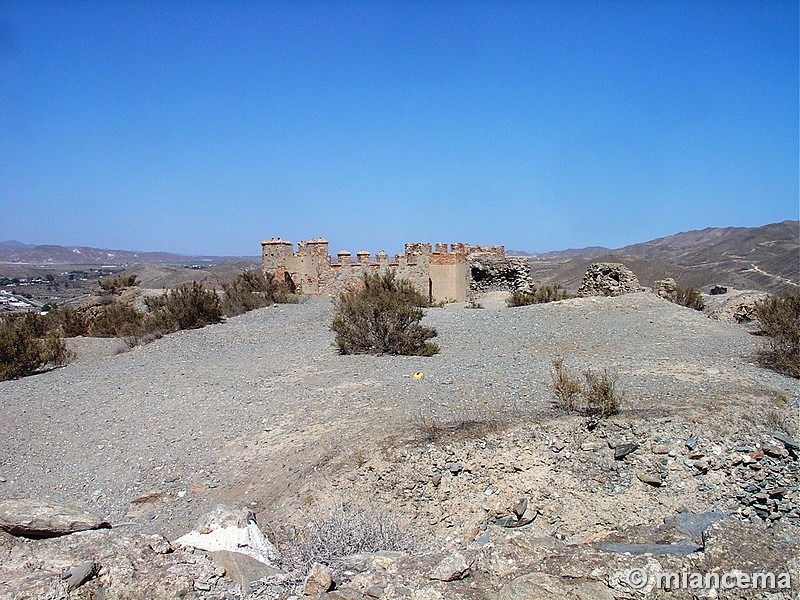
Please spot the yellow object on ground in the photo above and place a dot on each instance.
(418, 376)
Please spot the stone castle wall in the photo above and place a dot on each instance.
(436, 272)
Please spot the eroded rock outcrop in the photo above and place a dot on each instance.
(39, 518)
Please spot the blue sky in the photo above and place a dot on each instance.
(204, 127)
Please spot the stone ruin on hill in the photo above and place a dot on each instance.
(609, 279)
(439, 273)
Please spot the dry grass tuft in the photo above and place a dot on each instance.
(597, 398)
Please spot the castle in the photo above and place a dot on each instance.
(437, 273)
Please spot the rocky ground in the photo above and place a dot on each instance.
(261, 413)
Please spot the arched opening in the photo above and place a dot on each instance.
(289, 282)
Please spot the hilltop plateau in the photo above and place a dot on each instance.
(501, 493)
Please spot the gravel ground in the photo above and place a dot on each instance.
(256, 409)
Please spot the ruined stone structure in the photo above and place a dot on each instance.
(608, 279)
(437, 272)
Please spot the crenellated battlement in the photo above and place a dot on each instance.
(438, 272)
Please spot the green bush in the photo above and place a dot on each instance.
(546, 293)
(382, 316)
(779, 317)
(23, 351)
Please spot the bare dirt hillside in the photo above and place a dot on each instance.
(261, 412)
(154, 276)
(760, 258)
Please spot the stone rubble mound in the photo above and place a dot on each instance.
(666, 289)
(609, 279)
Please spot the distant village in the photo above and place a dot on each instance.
(40, 293)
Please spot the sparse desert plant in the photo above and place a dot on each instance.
(473, 303)
(602, 397)
(541, 295)
(23, 351)
(189, 306)
(111, 285)
(70, 321)
(784, 420)
(115, 319)
(350, 528)
(779, 317)
(520, 298)
(382, 316)
(248, 292)
(689, 297)
(566, 386)
(597, 398)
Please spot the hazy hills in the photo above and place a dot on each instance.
(17, 252)
(763, 258)
(766, 257)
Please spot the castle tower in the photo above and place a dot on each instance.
(275, 253)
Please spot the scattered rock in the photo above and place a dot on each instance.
(35, 518)
(650, 479)
(319, 580)
(542, 586)
(451, 568)
(80, 574)
(623, 450)
(454, 467)
(679, 548)
(787, 440)
(232, 530)
(694, 525)
(241, 568)
(718, 290)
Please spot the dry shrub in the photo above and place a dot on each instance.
(566, 386)
(350, 528)
(189, 306)
(70, 321)
(24, 351)
(463, 426)
(689, 297)
(112, 285)
(784, 420)
(115, 319)
(541, 295)
(597, 398)
(602, 397)
(779, 317)
(250, 291)
(382, 316)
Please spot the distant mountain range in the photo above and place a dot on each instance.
(17, 252)
(762, 258)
